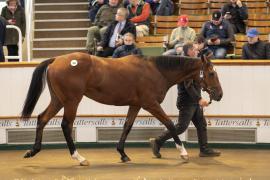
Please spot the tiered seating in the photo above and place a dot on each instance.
(196, 21)
(165, 24)
(260, 21)
(199, 11)
(241, 39)
(152, 45)
(193, 7)
(216, 4)
(257, 6)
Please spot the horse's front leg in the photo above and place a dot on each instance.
(132, 114)
(156, 110)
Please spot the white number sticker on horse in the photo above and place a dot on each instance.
(74, 62)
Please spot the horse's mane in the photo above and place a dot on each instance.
(174, 62)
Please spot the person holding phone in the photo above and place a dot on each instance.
(235, 12)
(14, 15)
(218, 35)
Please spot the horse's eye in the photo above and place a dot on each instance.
(211, 74)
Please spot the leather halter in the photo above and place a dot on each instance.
(203, 85)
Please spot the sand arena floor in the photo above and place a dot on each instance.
(56, 164)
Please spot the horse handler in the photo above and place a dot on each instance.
(190, 105)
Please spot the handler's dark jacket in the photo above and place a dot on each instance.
(189, 93)
(259, 50)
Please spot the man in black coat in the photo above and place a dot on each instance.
(113, 36)
(236, 13)
(2, 37)
(190, 105)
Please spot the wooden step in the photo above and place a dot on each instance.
(59, 42)
(61, 15)
(61, 6)
(60, 33)
(52, 52)
(62, 23)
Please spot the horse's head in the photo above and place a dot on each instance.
(209, 78)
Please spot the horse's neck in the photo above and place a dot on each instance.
(179, 75)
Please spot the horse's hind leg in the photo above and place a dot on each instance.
(42, 120)
(132, 114)
(67, 125)
(157, 111)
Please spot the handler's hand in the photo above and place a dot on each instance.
(203, 102)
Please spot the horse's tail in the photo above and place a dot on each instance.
(36, 87)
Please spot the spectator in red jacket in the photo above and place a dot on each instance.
(139, 14)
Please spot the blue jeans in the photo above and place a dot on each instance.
(219, 52)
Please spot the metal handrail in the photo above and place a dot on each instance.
(29, 18)
(19, 43)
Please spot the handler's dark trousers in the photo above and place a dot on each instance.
(186, 114)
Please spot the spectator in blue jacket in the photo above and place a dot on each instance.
(128, 48)
(218, 35)
(2, 37)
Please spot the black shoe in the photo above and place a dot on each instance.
(155, 147)
(207, 152)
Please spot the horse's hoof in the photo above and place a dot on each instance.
(84, 163)
(28, 154)
(125, 159)
(185, 158)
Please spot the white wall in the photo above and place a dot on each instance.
(246, 92)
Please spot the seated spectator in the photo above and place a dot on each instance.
(236, 13)
(14, 15)
(218, 35)
(180, 35)
(105, 16)
(139, 14)
(94, 6)
(255, 48)
(161, 7)
(128, 48)
(2, 38)
(113, 35)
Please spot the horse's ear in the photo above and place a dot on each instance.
(206, 55)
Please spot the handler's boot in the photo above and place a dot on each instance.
(155, 147)
(208, 152)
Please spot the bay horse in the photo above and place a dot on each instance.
(134, 81)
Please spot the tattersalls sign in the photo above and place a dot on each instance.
(140, 122)
(90, 124)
